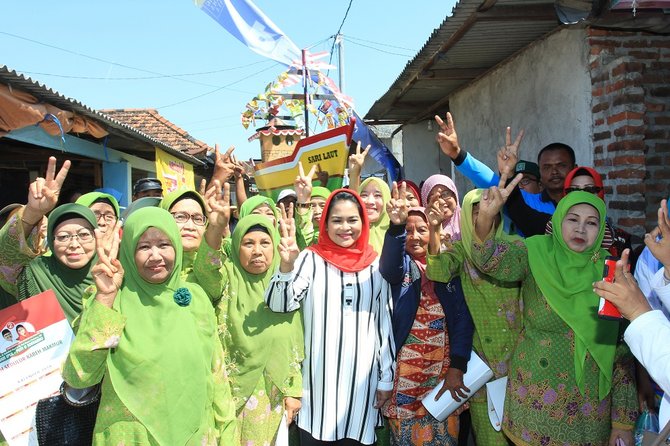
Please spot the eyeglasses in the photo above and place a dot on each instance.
(183, 217)
(590, 189)
(82, 236)
(109, 218)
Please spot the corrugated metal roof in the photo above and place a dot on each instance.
(478, 36)
(51, 96)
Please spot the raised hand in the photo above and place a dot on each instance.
(492, 203)
(447, 137)
(218, 204)
(322, 176)
(288, 247)
(107, 242)
(623, 292)
(435, 213)
(508, 155)
(398, 207)
(43, 192)
(108, 272)
(661, 248)
(356, 160)
(224, 168)
(303, 184)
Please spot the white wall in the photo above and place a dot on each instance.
(546, 89)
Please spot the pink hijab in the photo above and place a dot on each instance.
(453, 225)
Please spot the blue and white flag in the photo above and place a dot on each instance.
(378, 150)
(249, 25)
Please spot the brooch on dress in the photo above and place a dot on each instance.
(182, 296)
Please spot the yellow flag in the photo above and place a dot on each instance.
(173, 172)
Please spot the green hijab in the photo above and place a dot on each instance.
(161, 369)
(566, 278)
(94, 197)
(378, 228)
(260, 339)
(47, 272)
(257, 200)
(167, 202)
(319, 191)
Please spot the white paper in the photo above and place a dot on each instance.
(495, 396)
(282, 433)
(30, 362)
(477, 375)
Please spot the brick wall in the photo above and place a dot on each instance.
(630, 77)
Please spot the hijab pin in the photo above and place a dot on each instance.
(596, 256)
(182, 296)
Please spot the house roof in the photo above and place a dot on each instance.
(475, 38)
(152, 123)
(121, 135)
(480, 35)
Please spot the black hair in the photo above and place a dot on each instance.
(5, 331)
(558, 146)
(259, 228)
(106, 200)
(344, 195)
(19, 325)
(190, 195)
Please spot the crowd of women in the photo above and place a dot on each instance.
(340, 310)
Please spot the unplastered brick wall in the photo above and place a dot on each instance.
(630, 77)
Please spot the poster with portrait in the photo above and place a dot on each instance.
(35, 341)
(173, 172)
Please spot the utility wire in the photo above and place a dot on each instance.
(334, 37)
(139, 78)
(377, 49)
(379, 43)
(98, 59)
(218, 89)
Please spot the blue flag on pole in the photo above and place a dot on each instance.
(378, 151)
(249, 25)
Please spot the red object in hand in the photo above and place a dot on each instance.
(607, 310)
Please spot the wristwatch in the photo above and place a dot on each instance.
(303, 205)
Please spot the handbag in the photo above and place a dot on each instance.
(654, 439)
(69, 417)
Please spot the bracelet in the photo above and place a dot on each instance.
(303, 205)
(666, 279)
(30, 224)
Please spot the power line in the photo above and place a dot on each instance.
(98, 59)
(379, 43)
(332, 48)
(218, 89)
(139, 78)
(377, 49)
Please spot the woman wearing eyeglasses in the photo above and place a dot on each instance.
(189, 212)
(23, 271)
(104, 206)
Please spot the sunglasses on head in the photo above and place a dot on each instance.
(590, 189)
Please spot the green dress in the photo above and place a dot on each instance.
(264, 350)
(157, 354)
(494, 306)
(566, 385)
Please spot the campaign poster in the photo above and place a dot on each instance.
(35, 341)
(173, 172)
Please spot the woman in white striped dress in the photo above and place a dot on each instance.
(349, 348)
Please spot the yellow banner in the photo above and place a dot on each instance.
(328, 150)
(173, 172)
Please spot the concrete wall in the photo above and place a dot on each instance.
(545, 89)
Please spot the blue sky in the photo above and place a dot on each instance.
(151, 53)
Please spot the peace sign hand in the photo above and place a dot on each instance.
(224, 168)
(218, 204)
(357, 160)
(447, 137)
(492, 203)
(288, 247)
(43, 192)
(303, 184)
(661, 248)
(398, 207)
(435, 213)
(508, 155)
(108, 272)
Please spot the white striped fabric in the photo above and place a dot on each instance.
(349, 349)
